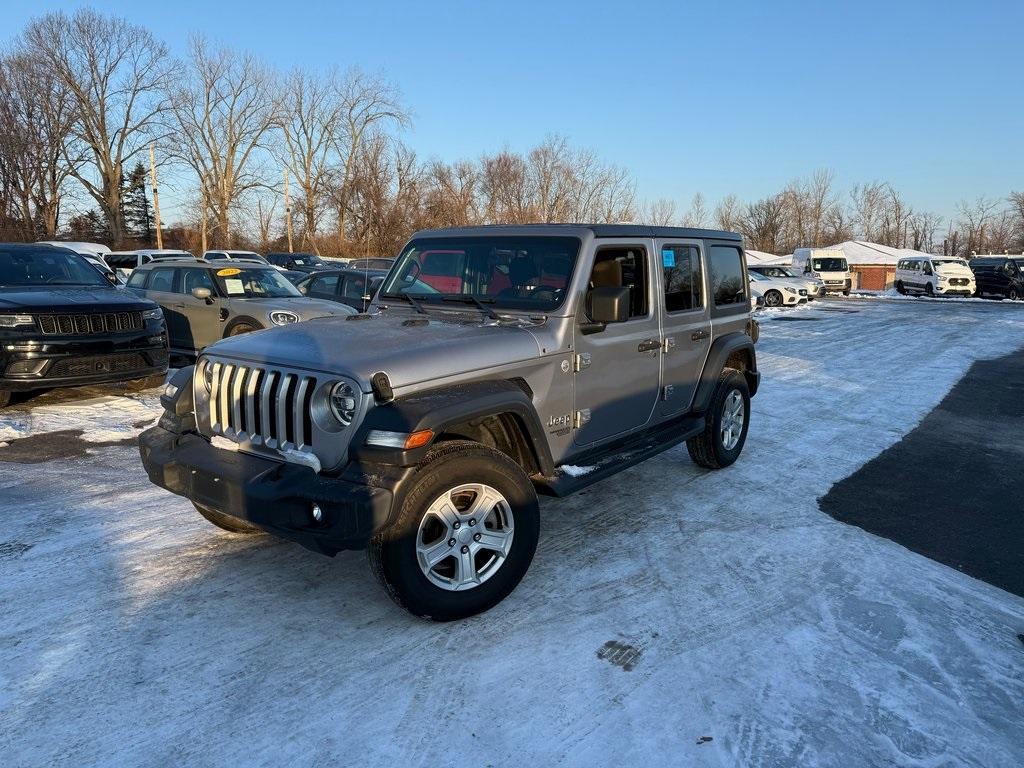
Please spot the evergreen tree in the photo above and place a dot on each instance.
(135, 205)
(90, 227)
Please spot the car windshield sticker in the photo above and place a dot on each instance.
(668, 258)
(234, 287)
(228, 272)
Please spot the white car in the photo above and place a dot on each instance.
(777, 293)
(240, 255)
(815, 287)
(936, 276)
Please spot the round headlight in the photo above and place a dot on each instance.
(208, 376)
(283, 317)
(344, 402)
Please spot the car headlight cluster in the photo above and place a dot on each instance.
(344, 401)
(152, 314)
(13, 321)
(790, 290)
(283, 317)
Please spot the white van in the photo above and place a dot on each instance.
(123, 262)
(936, 276)
(828, 265)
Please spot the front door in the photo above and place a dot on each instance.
(618, 368)
(203, 323)
(687, 327)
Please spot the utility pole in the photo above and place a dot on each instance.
(287, 210)
(156, 199)
(202, 223)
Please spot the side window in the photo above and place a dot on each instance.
(162, 280)
(624, 267)
(725, 263)
(196, 278)
(683, 285)
(137, 279)
(354, 287)
(327, 284)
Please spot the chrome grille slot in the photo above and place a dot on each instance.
(261, 406)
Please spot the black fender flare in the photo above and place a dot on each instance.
(437, 408)
(721, 350)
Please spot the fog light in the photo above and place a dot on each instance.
(25, 367)
(318, 514)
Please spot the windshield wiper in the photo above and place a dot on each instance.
(468, 299)
(415, 303)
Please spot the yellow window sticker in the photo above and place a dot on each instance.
(228, 272)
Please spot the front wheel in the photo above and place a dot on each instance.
(239, 327)
(728, 418)
(1013, 294)
(464, 537)
(773, 299)
(900, 288)
(227, 522)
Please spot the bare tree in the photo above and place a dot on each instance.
(660, 213)
(869, 209)
(117, 74)
(727, 213)
(697, 214)
(764, 222)
(450, 194)
(224, 112)
(923, 226)
(983, 226)
(1016, 200)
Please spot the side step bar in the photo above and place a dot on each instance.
(609, 460)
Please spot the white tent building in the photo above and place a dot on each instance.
(873, 265)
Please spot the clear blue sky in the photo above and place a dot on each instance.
(688, 96)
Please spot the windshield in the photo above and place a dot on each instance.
(757, 276)
(47, 267)
(829, 265)
(529, 273)
(254, 283)
(939, 262)
(306, 259)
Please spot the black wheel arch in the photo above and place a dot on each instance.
(499, 414)
(733, 350)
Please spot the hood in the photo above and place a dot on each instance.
(68, 299)
(409, 348)
(304, 307)
(953, 270)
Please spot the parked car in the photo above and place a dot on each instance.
(63, 324)
(423, 431)
(205, 302)
(936, 276)
(299, 262)
(234, 255)
(998, 276)
(86, 249)
(777, 293)
(826, 264)
(348, 286)
(381, 263)
(123, 262)
(814, 286)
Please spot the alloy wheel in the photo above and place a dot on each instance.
(734, 414)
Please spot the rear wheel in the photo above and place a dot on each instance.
(1013, 294)
(728, 418)
(464, 537)
(227, 522)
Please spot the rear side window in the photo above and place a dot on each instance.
(137, 279)
(162, 280)
(325, 284)
(725, 264)
(682, 278)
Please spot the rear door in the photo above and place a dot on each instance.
(160, 287)
(619, 367)
(324, 287)
(728, 290)
(686, 337)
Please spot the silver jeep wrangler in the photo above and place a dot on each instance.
(495, 363)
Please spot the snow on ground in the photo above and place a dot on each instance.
(672, 616)
(892, 293)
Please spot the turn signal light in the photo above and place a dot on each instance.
(418, 439)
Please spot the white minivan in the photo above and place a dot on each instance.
(827, 264)
(936, 276)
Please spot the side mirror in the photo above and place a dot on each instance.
(608, 304)
(202, 294)
(111, 277)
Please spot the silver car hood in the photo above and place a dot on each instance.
(409, 348)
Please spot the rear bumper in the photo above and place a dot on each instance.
(276, 496)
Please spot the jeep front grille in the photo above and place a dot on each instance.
(80, 325)
(261, 406)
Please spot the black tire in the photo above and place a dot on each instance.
(900, 288)
(1013, 294)
(773, 299)
(227, 522)
(707, 449)
(392, 552)
(241, 325)
(929, 290)
(5, 398)
(846, 293)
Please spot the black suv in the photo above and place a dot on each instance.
(999, 275)
(348, 286)
(62, 324)
(298, 262)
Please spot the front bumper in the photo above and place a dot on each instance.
(275, 495)
(30, 363)
(955, 290)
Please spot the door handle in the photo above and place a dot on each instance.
(700, 335)
(649, 345)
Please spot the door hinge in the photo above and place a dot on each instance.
(668, 344)
(582, 361)
(667, 392)
(582, 417)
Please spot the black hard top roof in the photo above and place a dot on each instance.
(580, 230)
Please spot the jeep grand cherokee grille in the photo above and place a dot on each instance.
(259, 405)
(83, 325)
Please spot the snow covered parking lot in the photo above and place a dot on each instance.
(671, 617)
